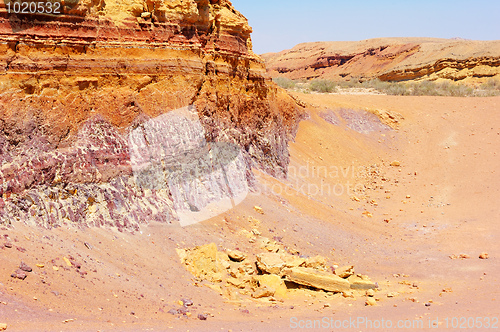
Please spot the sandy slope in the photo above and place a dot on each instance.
(448, 150)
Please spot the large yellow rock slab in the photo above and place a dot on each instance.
(317, 279)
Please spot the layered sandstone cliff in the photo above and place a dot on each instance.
(76, 87)
(389, 59)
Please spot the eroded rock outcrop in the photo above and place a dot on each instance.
(75, 86)
(389, 59)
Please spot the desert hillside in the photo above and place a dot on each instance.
(153, 177)
(389, 59)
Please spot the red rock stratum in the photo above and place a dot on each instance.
(389, 59)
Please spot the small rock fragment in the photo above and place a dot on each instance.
(3, 326)
(392, 294)
(236, 282)
(187, 302)
(371, 301)
(484, 255)
(395, 163)
(272, 282)
(258, 209)
(361, 282)
(255, 231)
(293, 261)
(23, 266)
(172, 312)
(66, 260)
(7, 245)
(270, 263)
(345, 271)
(236, 255)
(262, 292)
(370, 293)
(316, 262)
(202, 316)
(348, 294)
(19, 274)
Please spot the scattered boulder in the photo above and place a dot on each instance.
(317, 279)
(3, 326)
(395, 163)
(202, 316)
(236, 255)
(345, 271)
(370, 293)
(270, 263)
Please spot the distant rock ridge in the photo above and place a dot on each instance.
(389, 59)
(75, 85)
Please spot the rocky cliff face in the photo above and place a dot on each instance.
(75, 87)
(389, 59)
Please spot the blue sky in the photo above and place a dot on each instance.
(280, 25)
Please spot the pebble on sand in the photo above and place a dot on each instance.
(484, 255)
(371, 301)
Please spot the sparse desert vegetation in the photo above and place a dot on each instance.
(422, 88)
